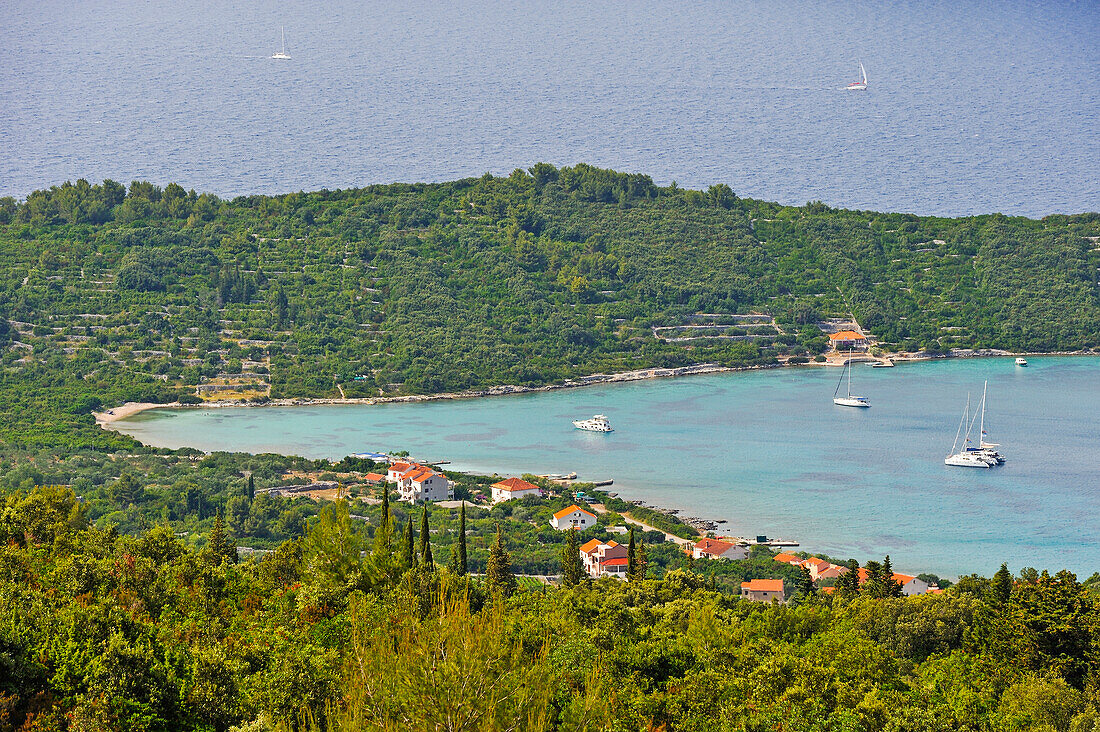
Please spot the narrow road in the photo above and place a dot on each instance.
(600, 508)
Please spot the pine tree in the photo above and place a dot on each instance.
(224, 550)
(425, 541)
(571, 570)
(890, 586)
(643, 561)
(631, 557)
(498, 571)
(873, 586)
(462, 540)
(849, 581)
(806, 582)
(251, 488)
(1002, 585)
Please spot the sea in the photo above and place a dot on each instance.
(765, 451)
(973, 106)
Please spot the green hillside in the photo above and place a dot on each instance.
(110, 294)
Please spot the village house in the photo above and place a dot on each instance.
(763, 590)
(819, 568)
(396, 469)
(573, 517)
(910, 585)
(719, 549)
(600, 559)
(514, 488)
(374, 478)
(788, 559)
(419, 484)
(847, 339)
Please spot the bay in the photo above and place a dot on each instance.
(974, 106)
(765, 450)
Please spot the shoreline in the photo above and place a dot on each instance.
(109, 416)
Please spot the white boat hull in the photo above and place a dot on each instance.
(598, 423)
(857, 87)
(852, 401)
(964, 460)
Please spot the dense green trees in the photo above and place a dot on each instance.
(103, 631)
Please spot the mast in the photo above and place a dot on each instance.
(966, 413)
(282, 28)
(849, 373)
(981, 428)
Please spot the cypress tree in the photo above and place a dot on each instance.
(890, 586)
(251, 488)
(462, 540)
(1002, 585)
(383, 535)
(425, 541)
(408, 541)
(571, 570)
(498, 571)
(631, 557)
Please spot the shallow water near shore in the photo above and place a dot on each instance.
(765, 450)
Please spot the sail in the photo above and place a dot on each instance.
(862, 73)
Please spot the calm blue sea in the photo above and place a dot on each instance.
(974, 106)
(767, 451)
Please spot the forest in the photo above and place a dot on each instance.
(340, 631)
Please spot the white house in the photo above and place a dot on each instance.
(396, 469)
(718, 549)
(763, 590)
(514, 488)
(419, 484)
(573, 517)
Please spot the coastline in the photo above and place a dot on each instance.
(107, 417)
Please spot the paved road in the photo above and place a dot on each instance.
(600, 508)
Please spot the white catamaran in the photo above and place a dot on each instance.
(985, 454)
(985, 449)
(282, 54)
(850, 400)
(860, 85)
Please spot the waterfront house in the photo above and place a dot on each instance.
(514, 488)
(847, 339)
(573, 517)
(420, 484)
(763, 590)
(600, 559)
(718, 549)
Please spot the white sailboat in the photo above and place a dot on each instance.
(282, 54)
(985, 449)
(860, 85)
(966, 458)
(850, 400)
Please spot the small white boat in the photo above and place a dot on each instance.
(851, 400)
(598, 423)
(282, 54)
(860, 85)
(1020, 361)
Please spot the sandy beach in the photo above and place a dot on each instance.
(128, 409)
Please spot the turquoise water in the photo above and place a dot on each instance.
(765, 450)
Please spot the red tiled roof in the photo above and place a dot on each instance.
(566, 511)
(903, 579)
(713, 546)
(763, 585)
(615, 562)
(373, 476)
(847, 335)
(589, 546)
(787, 558)
(515, 484)
(400, 467)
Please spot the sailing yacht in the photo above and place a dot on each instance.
(860, 85)
(985, 449)
(967, 457)
(282, 54)
(850, 400)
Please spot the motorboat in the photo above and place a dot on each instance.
(598, 423)
(851, 400)
(1021, 361)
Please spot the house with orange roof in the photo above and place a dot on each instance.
(910, 585)
(573, 517)
(719, 549)
(374, 478)
(846, 339)
(514, 488)
(421, 484)
(396, 469)
(763, 590)
(788, 559)
(600, 559)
